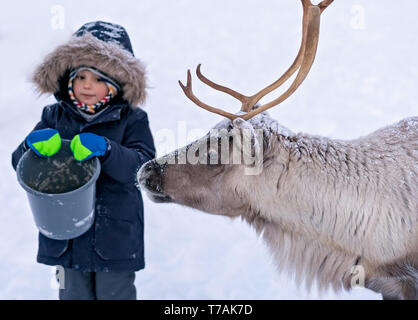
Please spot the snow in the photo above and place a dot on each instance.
(45, 232)
(364, 77)
(82, 222)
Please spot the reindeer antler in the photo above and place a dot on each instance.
(303, 62)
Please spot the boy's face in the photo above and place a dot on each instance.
(89, 88)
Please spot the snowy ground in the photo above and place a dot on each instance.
(365, 76)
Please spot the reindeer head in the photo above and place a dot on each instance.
(218, 173)
(215, 173)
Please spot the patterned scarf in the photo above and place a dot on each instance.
(114, 88)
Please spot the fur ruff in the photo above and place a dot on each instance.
(107, 57)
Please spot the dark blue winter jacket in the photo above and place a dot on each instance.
(115, 242)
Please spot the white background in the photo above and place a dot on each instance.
(364, 77)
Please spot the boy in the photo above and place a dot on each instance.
(97, 82)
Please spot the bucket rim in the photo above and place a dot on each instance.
(43, 194)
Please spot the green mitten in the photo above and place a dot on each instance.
(44, 142)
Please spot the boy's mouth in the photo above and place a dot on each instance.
(87, 95)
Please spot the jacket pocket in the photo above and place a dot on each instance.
(115, 239)
(52, 248)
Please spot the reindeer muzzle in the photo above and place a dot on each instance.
(150, 178)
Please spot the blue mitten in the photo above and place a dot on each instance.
(87, 145)
(44, 142)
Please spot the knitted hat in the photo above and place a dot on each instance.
(107, 32)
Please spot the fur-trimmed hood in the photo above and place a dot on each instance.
(103, 46)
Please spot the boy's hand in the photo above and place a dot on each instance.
(87, 145)
(45, 142)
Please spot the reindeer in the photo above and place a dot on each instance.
(338, 213)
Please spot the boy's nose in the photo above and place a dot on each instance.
(87, 84)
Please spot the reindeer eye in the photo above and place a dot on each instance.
(212, 155)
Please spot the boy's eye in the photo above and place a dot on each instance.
(80, 77)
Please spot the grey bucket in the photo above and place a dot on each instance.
(61, 191)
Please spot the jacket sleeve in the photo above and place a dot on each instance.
(123, 161)
(21, 149)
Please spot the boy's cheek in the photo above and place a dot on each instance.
(103, 92)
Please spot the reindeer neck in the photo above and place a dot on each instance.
(318, 191)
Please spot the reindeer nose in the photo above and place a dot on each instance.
(150, 177)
